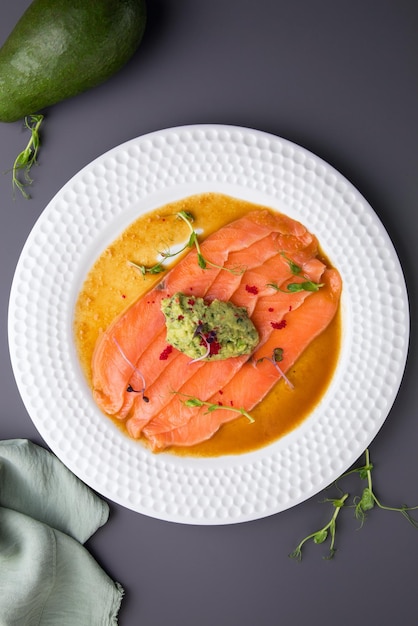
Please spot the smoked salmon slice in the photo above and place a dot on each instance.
(120, 346)
(130, 333)
(152, 363)
(164, 374)
(251, 264)
(267, 312)
(179, 371)
(255, 379)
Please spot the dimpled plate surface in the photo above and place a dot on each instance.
(143, 174)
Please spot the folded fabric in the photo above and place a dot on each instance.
(47, 577)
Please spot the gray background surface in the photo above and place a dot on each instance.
(340, 78)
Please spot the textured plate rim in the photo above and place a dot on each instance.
(259, 167)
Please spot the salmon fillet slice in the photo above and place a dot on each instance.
(256, 378)
(169, 372)
(250, 286)
(163, 378)
(130, 333)
(134, 349)
(155, 361)
(267, 313)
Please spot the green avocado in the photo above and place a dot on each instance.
(60, 48)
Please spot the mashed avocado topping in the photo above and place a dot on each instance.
(206, 330)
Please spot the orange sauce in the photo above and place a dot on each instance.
(112, 285)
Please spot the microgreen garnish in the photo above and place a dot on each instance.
(275, 358)
(143, 269)
(205, 355)
(205, 341)
(321, 535)
(368, 498)
(27, 158)
(193, 241)
(362, 505)
(296, 270)
(208, 340)
(192, 401)
(129, 388)
(278, 355)
(307, 285)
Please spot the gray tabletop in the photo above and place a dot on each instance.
(340, 79)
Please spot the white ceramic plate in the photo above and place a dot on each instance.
(143, 174)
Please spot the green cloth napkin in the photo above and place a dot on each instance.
(47, 577)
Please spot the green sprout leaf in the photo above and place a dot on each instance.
(28, 157)
(192, 401)
(307, 285)
(320, 536)
(294, 268)
(278, 355)
(201, 261)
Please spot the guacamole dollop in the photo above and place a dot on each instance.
(208, 330)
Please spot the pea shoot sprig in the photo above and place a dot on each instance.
(192, 241)
(368, 498)
(26, 159)
(296, 270)
(321, 535)
(143, 269)
(192, 401)
(306, 285)
(362, 505)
